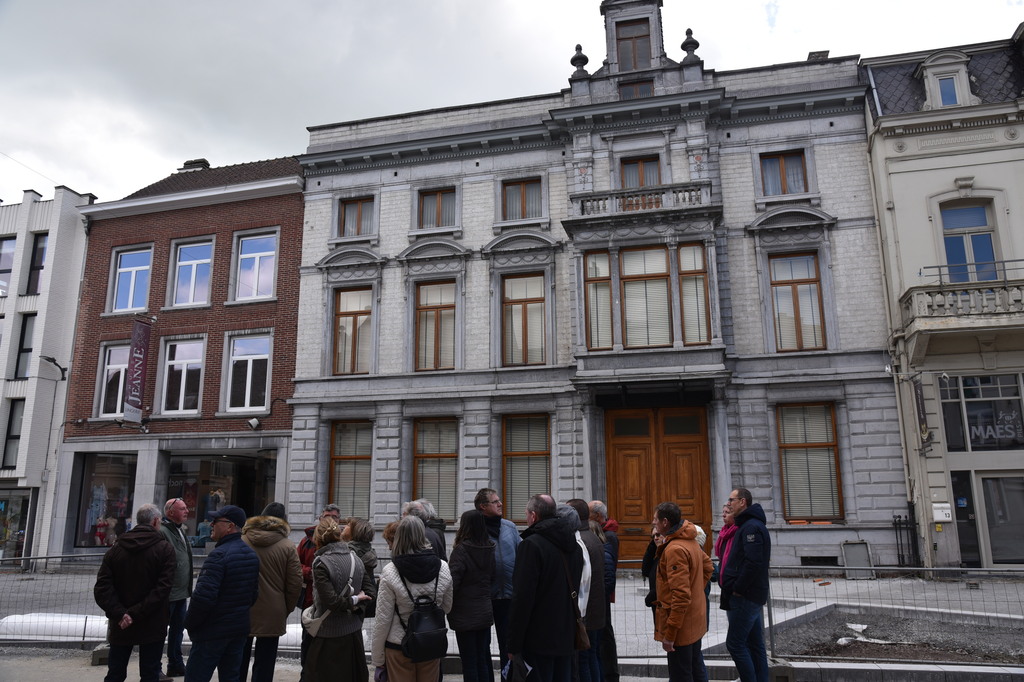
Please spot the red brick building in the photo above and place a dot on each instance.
(206, 261)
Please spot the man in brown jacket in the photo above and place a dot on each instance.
(680, 617)
(280, 586)
(132, 588)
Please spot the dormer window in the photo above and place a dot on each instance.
(634, 44)
(947, 92)
(946, 81)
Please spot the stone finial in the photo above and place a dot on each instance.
(689, 46)
(579, 60)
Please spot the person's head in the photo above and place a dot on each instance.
(472, 528)
(275, 509)
(728, 518)
(702, 537)
(227, 520)
(414, 508)
(410, 537)
(148, 515)
(598, 511)
(488, 502)
(739, 501)
(331, 511)
(582, 510)
(326, 532)
(359, 530)
(176, 510)
(428, 508)
(568, 516)
(538, 508)
(666, 516)
(389, 533)
(597, 530)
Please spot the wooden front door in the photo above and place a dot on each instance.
(653, 456)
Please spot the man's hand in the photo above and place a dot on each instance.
(126, 621)
(668, 645)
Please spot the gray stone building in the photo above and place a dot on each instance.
(661, 282)
(947, 163)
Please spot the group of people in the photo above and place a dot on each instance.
(680, 573)
(540, 590)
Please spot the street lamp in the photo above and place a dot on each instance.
(63, 370)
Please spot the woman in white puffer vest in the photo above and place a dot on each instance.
(413, 560)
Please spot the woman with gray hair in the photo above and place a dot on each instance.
(415, 570)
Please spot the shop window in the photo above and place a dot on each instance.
(351, 464)
(436, 464)
(810, 463)
(13, 523)
(108, 489)
(982, 413)
(526, 458)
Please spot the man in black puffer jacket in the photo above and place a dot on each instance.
(218, 615)
(542, 620)
(745, 587)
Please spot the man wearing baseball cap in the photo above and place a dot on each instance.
(218, 615)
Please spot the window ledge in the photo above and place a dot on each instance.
(763, 203)
(239, 413)
(122, 313)
(250, 301)
(194, 306)
(369, 239)
(174, 416)
(453, 231)
(541, 223)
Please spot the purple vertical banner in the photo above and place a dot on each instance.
(135, 383)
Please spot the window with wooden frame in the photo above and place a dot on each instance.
(435, 326)
(356, 217)
(784, 173)
(633, 39)
(636, 90)
(352, 330)
(436, 464)
(523, 320)
(796, 301)
(351, 463)
(526, 457)
(693, 292)
(521, 199)
(810, 462)
(645, 172)
(437, 208)
(646, 299)
(597, 276)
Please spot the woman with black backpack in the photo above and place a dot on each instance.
(414, 589)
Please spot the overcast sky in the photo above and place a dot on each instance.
(108, 96)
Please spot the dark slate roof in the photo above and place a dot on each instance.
(208, 178)
(996, 76)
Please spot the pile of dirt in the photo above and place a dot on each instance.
(878, 636)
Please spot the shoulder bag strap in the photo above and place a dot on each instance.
(572, 592)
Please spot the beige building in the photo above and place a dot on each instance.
(947, 161)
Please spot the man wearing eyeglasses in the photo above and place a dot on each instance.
(506, 539)
(175, 514)
(744, 584)
(218, 614)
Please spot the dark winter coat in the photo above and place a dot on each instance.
(280, 575)
(434, 530)
(472, 568)
(594, 617)
(541, 618)
(226, 589)
(135, 578)
(746, 566)
(365, 551)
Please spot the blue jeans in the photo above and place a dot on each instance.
(745, 640)
(175, 633)
(209, 655)
(590, 659)
(149, 661)
(475, 652)
(686, 664)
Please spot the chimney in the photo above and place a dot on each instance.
(194, 165)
